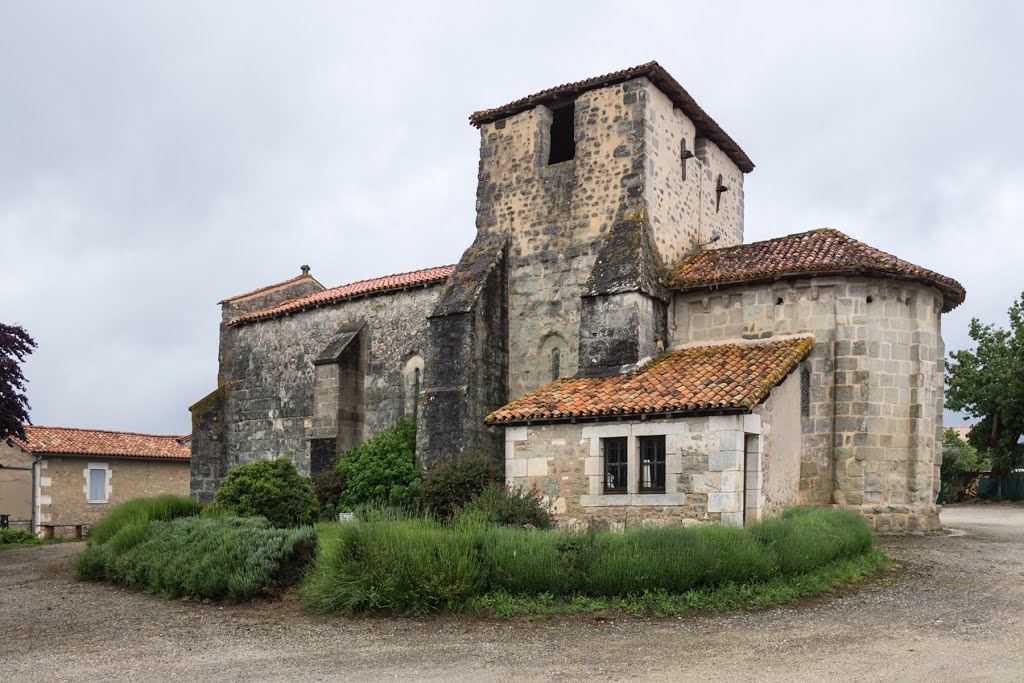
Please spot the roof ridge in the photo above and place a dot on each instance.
(108, 431)
(265, 288)
(379, 277)
(325, 296)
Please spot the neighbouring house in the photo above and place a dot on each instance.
(68, 478)
(610, 337)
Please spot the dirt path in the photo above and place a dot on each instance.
(952, 612)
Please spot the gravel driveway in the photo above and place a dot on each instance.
(951, 610)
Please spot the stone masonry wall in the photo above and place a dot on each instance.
(63, 486)
(704, 470)
(268, 372)
(627, 158)
(870, 437)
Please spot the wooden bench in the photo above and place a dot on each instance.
(49, 530)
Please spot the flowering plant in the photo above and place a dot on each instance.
(496, 504)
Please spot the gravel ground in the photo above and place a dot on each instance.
(949, 610)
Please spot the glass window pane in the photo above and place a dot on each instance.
(97, 484)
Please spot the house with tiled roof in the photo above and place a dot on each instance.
(610, 337)
(62, 479)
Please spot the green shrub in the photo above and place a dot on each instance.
(450, 485)
(382, 471)
(210, 558)
(807, 538)
(328, 487)
(9, 536)
(675, 560)
(272, 489)
(397, 563)
(496, 504)
(413, 565)
(142, 510)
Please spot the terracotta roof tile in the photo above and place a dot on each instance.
(72, 441)
(706, 126)
(817, 252)
(694, 379)
(260, 290)
(417, 278)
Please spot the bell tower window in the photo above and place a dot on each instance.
(563, 135)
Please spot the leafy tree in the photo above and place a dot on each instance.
(988, 383)
(15, 344)
(382, 471)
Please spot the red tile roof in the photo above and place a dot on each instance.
(72, 441)
(817, 252)
(416, 278)
(694, 379)
(260, 290)
(654, 72)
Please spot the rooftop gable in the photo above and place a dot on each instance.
(99, 442)
(818, 252)
(270, 288)
(418, 278)
(696, 379)
(654, 72)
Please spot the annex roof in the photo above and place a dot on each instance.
(418, 278)
(654, 72)
(696, 379)
(98, 442)
(818, 252)
(267, 288)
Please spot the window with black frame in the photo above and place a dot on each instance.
(652, 464)
(616, 469)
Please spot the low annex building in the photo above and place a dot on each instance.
(72, 477)
(610, 337)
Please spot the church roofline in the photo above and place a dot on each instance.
(815, 253)
(706, 126)
(386, 284)
(268, 288)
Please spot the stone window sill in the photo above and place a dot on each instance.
(638, 499)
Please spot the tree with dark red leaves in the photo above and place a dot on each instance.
(15, 344)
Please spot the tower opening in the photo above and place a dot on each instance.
(563, 135)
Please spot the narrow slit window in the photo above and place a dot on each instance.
(616, 470)
(556, 364)
(805, 392)
(684, 155)
(652, 464)
(563, 135)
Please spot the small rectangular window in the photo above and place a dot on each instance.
(97, 485)
(652, 464)
(563, 135)
(616, 469)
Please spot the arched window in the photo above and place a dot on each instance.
(412, 387)
(556, 363)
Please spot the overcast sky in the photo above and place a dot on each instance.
(158, 157)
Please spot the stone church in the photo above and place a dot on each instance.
(610, 336)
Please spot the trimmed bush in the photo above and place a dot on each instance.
(272, 489)
(806, 538)
(141, 510)
(497, 504)
(450, 485)
(395, 563)
(382, 471)
(413, 565)
(210, 558)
